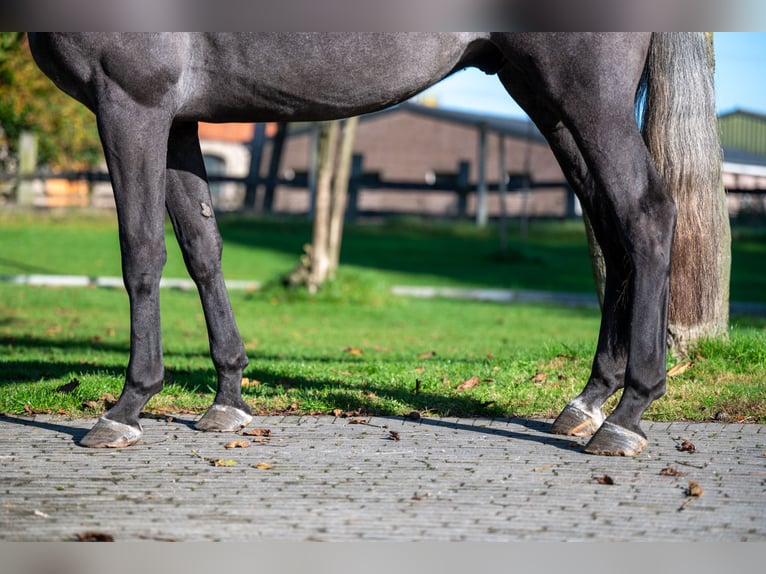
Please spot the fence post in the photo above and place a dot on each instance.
(254, 175)
(461, 188)
(277, 145)
(354, 185)
(29, 189)
(481, 183)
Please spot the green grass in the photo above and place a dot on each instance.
(354, 347)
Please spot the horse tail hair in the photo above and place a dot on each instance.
(680, 128)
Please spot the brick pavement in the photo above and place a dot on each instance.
(328, 479)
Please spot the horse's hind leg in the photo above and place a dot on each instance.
(190, 209)
(639, 214)
(135, 143)
(583, 415)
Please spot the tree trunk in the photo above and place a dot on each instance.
(320, 262)
(340, 193)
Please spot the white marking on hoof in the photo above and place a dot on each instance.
(223, 418)
(614, 440)
(107, 433)
(577, 419)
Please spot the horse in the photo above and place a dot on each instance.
(582, 90)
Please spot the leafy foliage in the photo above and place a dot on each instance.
(68, 138)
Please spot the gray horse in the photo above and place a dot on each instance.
(148, 91)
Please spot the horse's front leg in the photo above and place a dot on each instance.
(135, 146)
(191, 211)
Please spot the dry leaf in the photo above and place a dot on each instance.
(694, 489)
(468, 383)
(108, 399)
(687, 446)
(263, 466)
(420, 369)
(539, 377)
(257, 432)
(393, 435)
(90, 404)
(92, 536)
(250, 382)
(337, 412)
(357, 421)
(353, 351)
(414, 416)
(606, 479)
(68, 387)
(678, 369)
(693, 492)
(428, 355)
(541, 468)
(237, 444)
(224, 462)
(670, 471)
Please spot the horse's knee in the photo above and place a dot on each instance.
(142, 266)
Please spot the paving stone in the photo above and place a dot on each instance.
(328, 479)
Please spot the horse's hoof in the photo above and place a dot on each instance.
(614, 440)
(223, 418)
(107, 433)
(576, 421)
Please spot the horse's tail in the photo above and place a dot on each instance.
(680, 128)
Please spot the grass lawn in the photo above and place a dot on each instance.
(354, 347)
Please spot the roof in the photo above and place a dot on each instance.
(520, 128)
(513, 127)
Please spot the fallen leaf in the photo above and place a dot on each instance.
(108, 399)
(670, 471)
(541, 468)
(488, 380)
(337, 412)
(428, 355)
(693, 492)
(678, 369)
(62, 412)
(250, 382)
(263, 466)
(224, 462)
(93, 536)
(237, 444)
(606, 479)
(694, 489)
(539, 377)
(90, 404)
(257, 432)
(393, 435)
(420, 369)
(357, 421)
(687, 446)
(468, 383)
(29, 410)
(414, 416)
(353, 351)
(68, 387)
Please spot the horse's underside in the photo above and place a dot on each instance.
(148, 92)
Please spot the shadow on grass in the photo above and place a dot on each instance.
(276, 391)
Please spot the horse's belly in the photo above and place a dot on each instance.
(301, 77)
